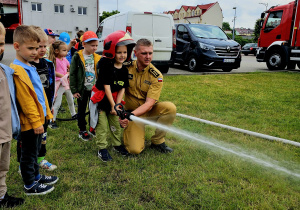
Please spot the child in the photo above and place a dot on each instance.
(83, 74)
(65, 37)
(51, 38)
(113, 79)
(9, 125)
(58, 52)
(33, 109)
(78, 45)
(45, 69)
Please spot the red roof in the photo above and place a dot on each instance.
(185, 7)
(205, 6)
(11, 2)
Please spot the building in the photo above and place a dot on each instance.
(61, 16)
(205, 14)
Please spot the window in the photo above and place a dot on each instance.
(274, 19)
(58, 8)
(181, 31)
(36, 7)
(82, 10)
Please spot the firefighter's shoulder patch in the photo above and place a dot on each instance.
(128, 63)
(154, 72)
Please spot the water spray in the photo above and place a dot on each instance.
(127, 115)
(260, 135)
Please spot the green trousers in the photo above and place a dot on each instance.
(108, 127)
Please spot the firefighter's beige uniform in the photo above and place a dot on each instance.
(145, 84)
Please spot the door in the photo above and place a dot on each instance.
(156, 28)
(181, 44)
(272, 30)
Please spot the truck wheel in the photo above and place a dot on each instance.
(276, 60)
(1, 56)
(193, 64)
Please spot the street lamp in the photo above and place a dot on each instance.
(266, 5)
(233, 30)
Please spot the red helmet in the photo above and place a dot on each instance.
(117, 38)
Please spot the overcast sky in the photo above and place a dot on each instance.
(247, 11)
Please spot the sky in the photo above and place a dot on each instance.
(247, 11)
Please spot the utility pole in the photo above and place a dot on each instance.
(266, 5)
(233, 30)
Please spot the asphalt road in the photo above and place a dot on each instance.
(248, 64)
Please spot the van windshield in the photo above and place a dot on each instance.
(207, 31)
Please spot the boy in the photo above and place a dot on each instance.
(9, 125)
(33, 109)
(83, 74)
(51, 38)
(45, 69)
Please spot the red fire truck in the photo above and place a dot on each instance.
(279, 41)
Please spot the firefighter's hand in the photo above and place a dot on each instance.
(39, 130)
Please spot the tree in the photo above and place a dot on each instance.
(226, 26)
(107, 14)
(257, 29)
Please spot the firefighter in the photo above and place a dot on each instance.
(141, 97)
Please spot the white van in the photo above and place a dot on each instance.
(158, 28)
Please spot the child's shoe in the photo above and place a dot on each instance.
(38, 189)
(84, 135)
(44, 164)
(10, 202)
(48, 180)
(104, 155)
(92, 132)
(121, 149)
(53, 125)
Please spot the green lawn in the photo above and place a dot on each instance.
(195, 175)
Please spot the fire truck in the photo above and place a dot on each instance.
(279, 40)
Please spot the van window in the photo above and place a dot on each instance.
(180, 31)
(274, 19)
(99, 31)
(207, 31)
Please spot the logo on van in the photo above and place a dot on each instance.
(228, 49)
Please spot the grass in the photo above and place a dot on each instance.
(196, 175)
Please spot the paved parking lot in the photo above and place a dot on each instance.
(248, 64)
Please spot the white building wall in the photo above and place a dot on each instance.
(62, 22)
(213, 16)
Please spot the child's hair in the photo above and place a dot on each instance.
(79, 33)
(2, 29)
(41, 33)
(24, 33)
(53, 47)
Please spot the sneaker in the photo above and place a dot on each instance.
(92, 132)
(61, 109)
(104, 155)
(48, 180)
(38, 189)
(44, 164)
(53, 125)
(121, 149)
(84, 135)
(74, 117)
(10, 202)
(163, 148)
(44, 136)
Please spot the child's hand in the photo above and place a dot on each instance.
(76, 95)
(113, 111)
(39, 130)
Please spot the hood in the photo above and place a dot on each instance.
(219, 42)
(117, 38)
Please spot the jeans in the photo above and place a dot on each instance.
(82, 103)
(31, 144)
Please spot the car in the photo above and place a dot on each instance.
(249, 48)
(202, 46)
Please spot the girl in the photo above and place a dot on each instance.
(109, 90)
(58, 53)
